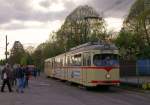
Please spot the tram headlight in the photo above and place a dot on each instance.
(108, 76)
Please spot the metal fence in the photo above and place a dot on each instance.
(136, 73)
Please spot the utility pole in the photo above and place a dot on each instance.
(6, 52)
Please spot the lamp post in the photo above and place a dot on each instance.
(6, 52)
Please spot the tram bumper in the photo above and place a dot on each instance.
(105, 82)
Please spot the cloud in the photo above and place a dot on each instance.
(23, 10)
(19, 25)
(52, 10)
(15, 24)
(32, 20)
(13, 10)
(112, 8)
(45, 3)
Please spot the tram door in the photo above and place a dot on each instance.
(86, 63)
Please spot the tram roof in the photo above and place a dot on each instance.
(93, 46)
(87, 47)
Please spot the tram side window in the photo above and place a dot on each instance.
(76, 60)
(64, 62)
(61, 62)
(52, 63)
(49, 64)
(68, 61)
(84, 61)
(89, 61)
(58, 62)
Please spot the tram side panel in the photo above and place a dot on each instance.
(75, 70)
(46, 69)
(75, 75)
(87, 72)
(80, 74)
(59, 70)
(53, 68)
(87, 75)
(65, 73)
(50, 68)
(64, 69)
(84, 76)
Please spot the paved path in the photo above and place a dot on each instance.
(44, 91)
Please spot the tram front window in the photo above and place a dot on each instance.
(105, 59)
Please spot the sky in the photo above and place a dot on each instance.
(32, 21)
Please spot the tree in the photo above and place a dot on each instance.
(2, 62)
(38, 58)
(82, 25)
(30, 49)
(26, 59)
(144, 22)
(17, 52)
(135, 34)
(126, 42)
(138, 20)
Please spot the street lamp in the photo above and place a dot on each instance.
(6, 52)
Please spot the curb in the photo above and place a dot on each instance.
(134, 87)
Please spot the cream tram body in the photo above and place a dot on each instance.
(89, 65)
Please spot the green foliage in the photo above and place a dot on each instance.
(126, 42)
(19, 56)
(23, 60)
(2, 62)
(26, 59)
(138, 20)
(16, 58)
(17, 52)
(145, 53)
(81, 26)
(134, 38)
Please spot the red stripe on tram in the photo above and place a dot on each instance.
(99, 68)
(92, 67)
(111, 81)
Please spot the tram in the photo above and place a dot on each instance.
(91, 64)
